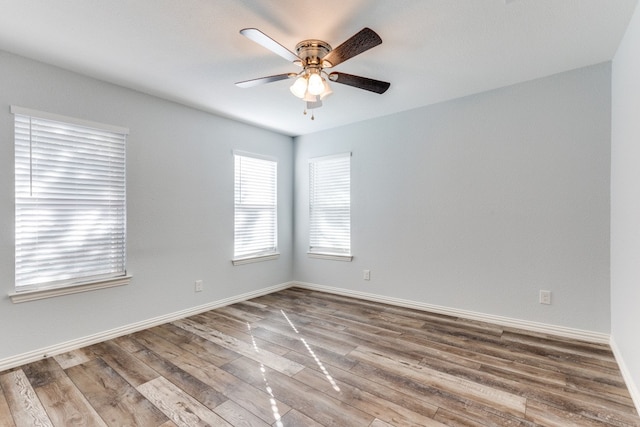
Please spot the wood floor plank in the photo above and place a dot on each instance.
(255, 400)
(322, 408)
(200, 391)
(25, 406)
(222, 320)
(431, 319)
(547, 415)
(239, 330)
(74, 357)
(264, 311)
(130, 368)
(301, 316)
(63, 402)
(239, 314)
(456, 419)
(506, 402)
(587, 403)
(149, 340)
(67, 406)
(294, 418)
(117, 402)
(319, 337)
(328, 357)
(380, 407)
(598, 354)
(331, 332)
(584, 403)
(6, 419)
(318, 381)
(607, 392)
(254, 352)
(128, 343)
(408, 401)
(438, 354)
(238, 416)
(587, 407)
(178, 406)
(43, 372)
(433, 396)
(195, 344)
(524, 355)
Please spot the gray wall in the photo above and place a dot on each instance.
(625, 202)
(479, 203)
(472, 204)
(180, 207)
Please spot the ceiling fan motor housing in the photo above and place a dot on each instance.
(311, 53)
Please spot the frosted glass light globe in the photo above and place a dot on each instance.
(299, 87)
(316, 85)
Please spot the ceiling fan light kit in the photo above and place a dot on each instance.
(312, 83)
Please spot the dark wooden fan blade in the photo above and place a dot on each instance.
(365, 83)
(264, 80)
(265, 41)
(362, 41)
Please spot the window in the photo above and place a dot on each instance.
(330, 207)
(70, 212)
(256, 208)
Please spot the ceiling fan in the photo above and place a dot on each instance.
(314, 56)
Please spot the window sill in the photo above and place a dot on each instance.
(250, 260)
(331, 257)
(25, 296)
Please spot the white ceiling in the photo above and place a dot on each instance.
(190, 51)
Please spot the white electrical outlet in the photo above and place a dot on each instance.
(545, 297)
(198, 286)
(366, 274)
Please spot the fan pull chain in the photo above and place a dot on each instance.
(313, 117)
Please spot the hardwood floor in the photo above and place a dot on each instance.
(303, 358)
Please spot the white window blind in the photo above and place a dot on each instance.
(255, 230)
(70, 216)
(330, 205)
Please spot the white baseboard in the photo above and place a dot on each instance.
(53, 350)
(561, 331)
(626, 374)
(32, 356)
(596, 337)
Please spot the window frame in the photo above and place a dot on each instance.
(328, 252)
(271, 251)
(87, 279)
